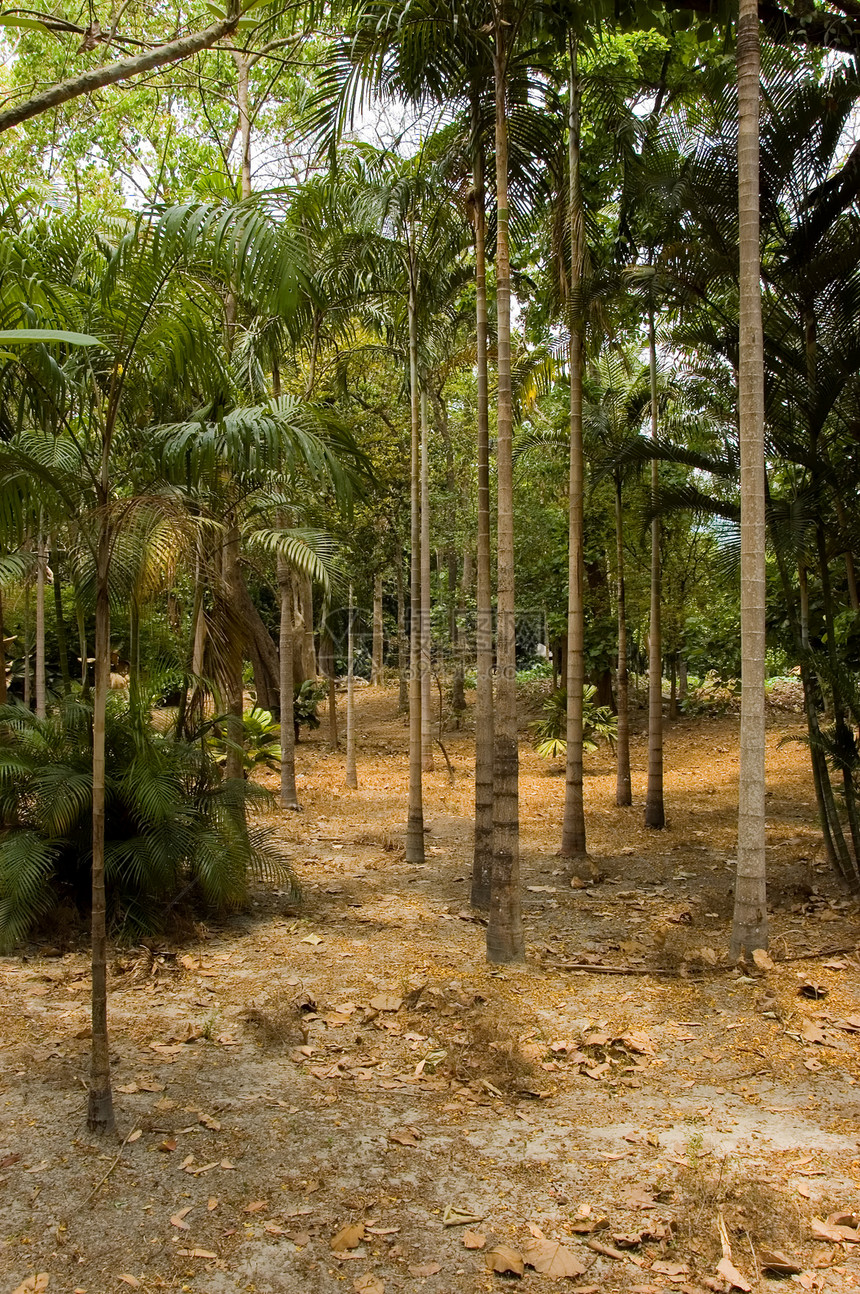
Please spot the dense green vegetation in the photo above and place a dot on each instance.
(281, 316)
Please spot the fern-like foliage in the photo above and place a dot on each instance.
(172, 822)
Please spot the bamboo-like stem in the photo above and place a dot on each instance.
(655, 815)
(350, 774)
(505, 942)
(573, 826)
(750, 926)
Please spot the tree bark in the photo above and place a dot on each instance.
(623, 790)
(288, 796)
(41, 574)
(414, 843)
(327, 660)
(482, 860)
(124, 70)
(351, 776)
(573, 826)
(242, 74)
(749, 925)
(654, 811)
(426, 654)
(62, 640)
(505, 941)
(100, 1116)
(402, 641)
(233, 684)
(376, 648)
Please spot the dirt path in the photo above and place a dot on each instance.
(353, 1062)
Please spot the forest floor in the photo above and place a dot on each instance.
(341, 1094)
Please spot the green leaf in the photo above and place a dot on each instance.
(30, 24)
(24, 336)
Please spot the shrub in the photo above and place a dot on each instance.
(174, 828)
(598, 722)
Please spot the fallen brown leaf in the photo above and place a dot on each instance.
(256, 1206)
(196, 1253)
(425, 1269)
(830, 1231)
(504, 1260)
(368, 1284)
(474, 1239)
(349, 1237)
(386, 1002)
(405, 1136)
(774, 1260)
(130, 1280)
(732, 1276)
(33, 1284)
(552, 1259)
(178, 1219)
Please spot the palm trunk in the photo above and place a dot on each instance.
(505, 928)
(623, 791)
(62, 642)
(100, 1116)
(234, 692)
(573, 826)
(749, 926)
(654, 812)
(844, 739)
(288, 796)
(376, 649)
(41, 678)
(82, 644)
(242, 76)
(424, 622)
(482, 861)
(327, 654)
(414, 843)
(351, 776)
(26, 635)
(134, 653)
(402, 641)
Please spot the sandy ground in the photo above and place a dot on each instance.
(351, 1061)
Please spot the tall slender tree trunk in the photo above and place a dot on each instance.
(62, 640)
(41, 575)
(234, 692)
(749, 926)
(288, 797)
(134, 653)
(28, 602)
(655, 815)
(376, 648)
(426, 657)
(573, 826)
(82, 645)
(505, 928)
(327, 653)
(623, 792)
(414, 843)
(242, 79)
(351, 776)
(482, 860)
(402, 641)
(100, 1116)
